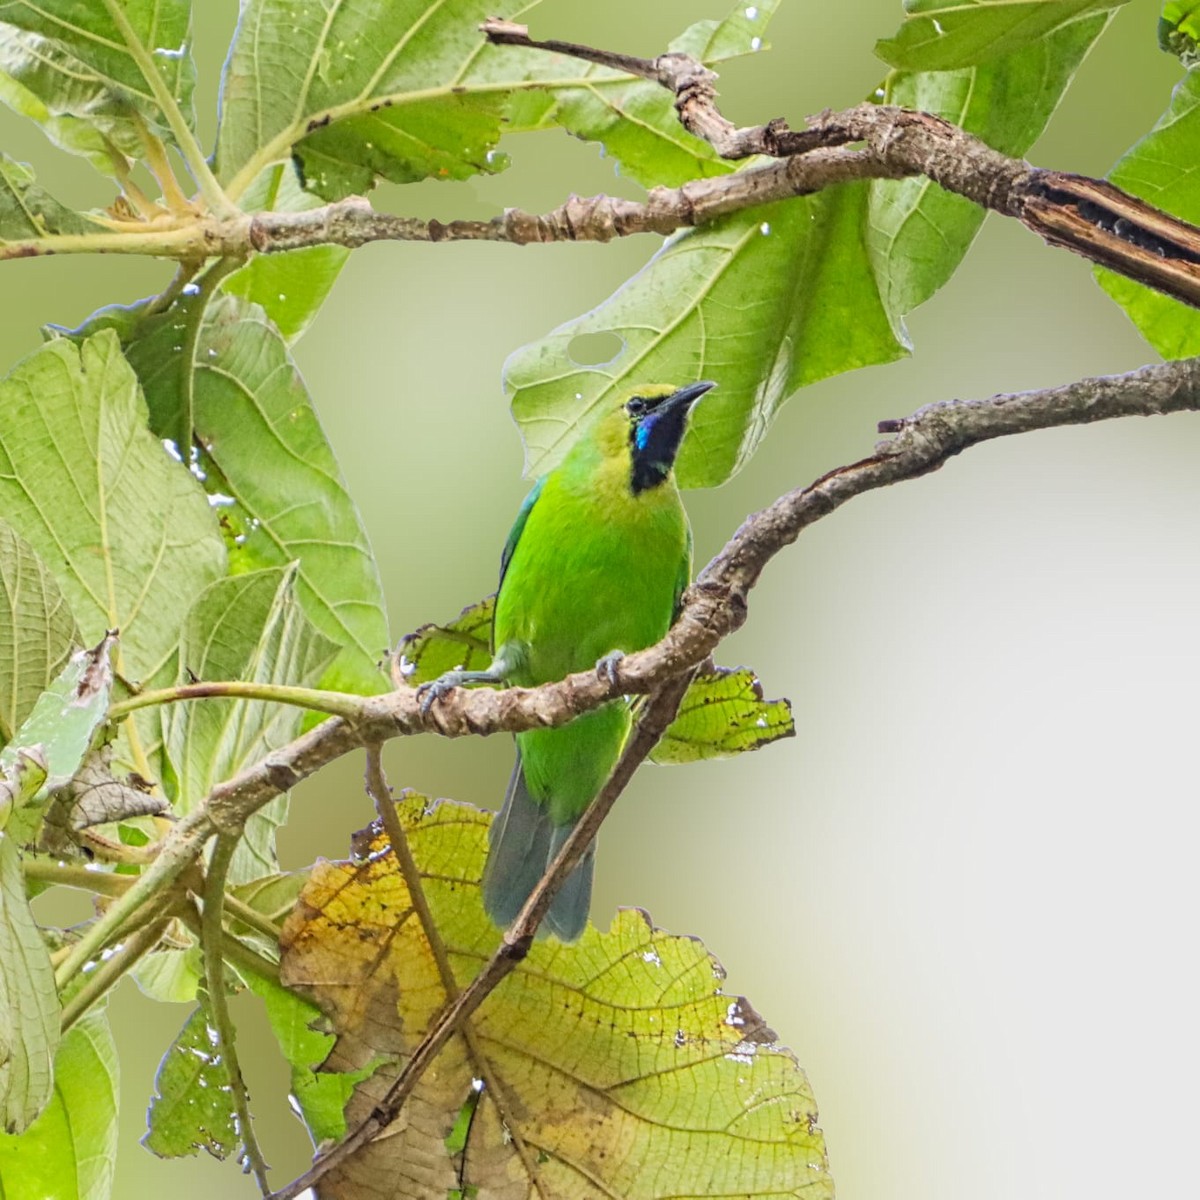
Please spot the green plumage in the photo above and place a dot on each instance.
(595, 564)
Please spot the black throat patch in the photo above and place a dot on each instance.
(653, 444)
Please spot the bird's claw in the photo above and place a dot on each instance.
(428, 694)
(606, 667)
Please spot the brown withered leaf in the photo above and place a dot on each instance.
(612, 1067)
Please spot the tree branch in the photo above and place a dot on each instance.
(1088, 216)
(713, 607)
(658, 714)
(222, 1029)
(385, 806)
(716, 604)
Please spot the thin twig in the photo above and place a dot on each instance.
(236, 951)
(214, 196)
(111, 970)
(381, 794)
(180, 849)
(241, 912)
(1088, 216)
(335, 703)
(155, 156)
(101, 883)
(212, 939)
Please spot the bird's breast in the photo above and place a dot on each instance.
(595, 570)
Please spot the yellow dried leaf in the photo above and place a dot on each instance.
(612, 1067)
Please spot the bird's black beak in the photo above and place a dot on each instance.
(687, 396)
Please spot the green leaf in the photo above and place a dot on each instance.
(250, 627)
(70, 1151)
(943, 35)
(273, 896)
(635, 119)
(88, 34)
(356, 91)
(1161, 169)
(464, 643)
(29, 1010)
(1179, 31)
(917, 232)
(26, 211)
(171, 976)
(411, 90)
(84, 35)
(282, 498)
(127, 534)
(617, 1062)
(192, 1108)
(764, 302)
(37, 630)
(723, 713)
(290, 287)
(60, 727)
(76, 107)
(295, 1022)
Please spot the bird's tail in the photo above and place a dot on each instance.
(523, 841)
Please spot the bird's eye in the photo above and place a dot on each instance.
(636, 407)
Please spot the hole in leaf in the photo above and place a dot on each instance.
(594, 349)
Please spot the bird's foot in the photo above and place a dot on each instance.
(606, 667)
(428, 694)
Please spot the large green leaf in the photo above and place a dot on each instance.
(1161, 168)
(26, 211)
(411, 90)
(270, 469)
(615, 1066)
(127, 534)
(29, 1010)
(723, 713)
(36, 629)
(192, 1108)
(57, 732)
(917, 232)
(296, 1023)
(764, 302)
(70, 1151)
(250, 627)
(79, 62)
(633, 118)
(943, 35)
(356, 91)
(74, 105)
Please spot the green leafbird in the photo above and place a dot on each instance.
(593, 569)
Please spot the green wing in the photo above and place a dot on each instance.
(685, 574)
(514, 534)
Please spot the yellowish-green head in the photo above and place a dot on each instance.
(644, 427)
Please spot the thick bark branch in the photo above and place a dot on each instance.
(716, 603)
(1087, 216)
